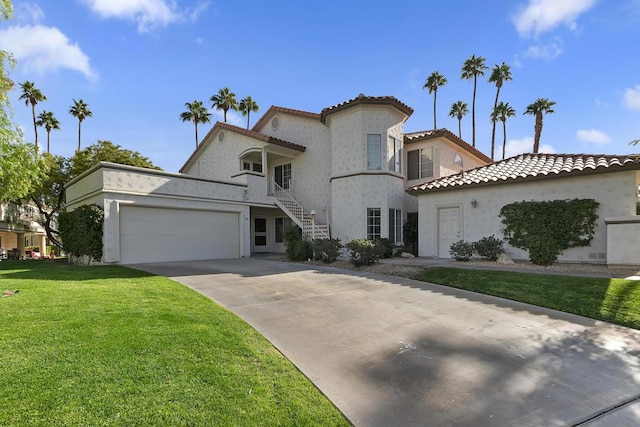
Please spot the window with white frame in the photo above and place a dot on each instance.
(283, 175)
(395, 225)
(395, 148)
(248, 165)
(420, 163)
(374, 152)
(281, 225)
(373, 223)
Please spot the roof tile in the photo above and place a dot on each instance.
(370, 100)
(531, 166)
(413, 137)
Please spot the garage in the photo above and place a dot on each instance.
(150, 234)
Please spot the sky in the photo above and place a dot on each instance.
(137, 62)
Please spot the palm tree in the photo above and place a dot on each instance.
(538, 109)
(434, 81)
(246, 106)
(225, 100)
(459, 110)
(471, 69)
(32, 95)
(196, 113)
(49, 121)
(499, 75)
(502, 112)
(80, 110)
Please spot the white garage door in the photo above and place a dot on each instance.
(157, 235)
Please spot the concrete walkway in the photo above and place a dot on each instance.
(396, 352)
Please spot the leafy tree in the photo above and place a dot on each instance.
(49, 195)
(499, 75)
(196, 113)
(434, 81)
(20, 166)
(247, 106)
(32, 95)
(538, 109)
(225, 100)
(49, 121)
(459, 110)
(80, 110)
(471, 69)
(501, 112)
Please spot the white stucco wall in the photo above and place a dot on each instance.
(623, 240)
(616, 193)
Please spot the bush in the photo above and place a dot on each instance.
(326, 250)
(386, 247)
(461, 250)
(489, 247)
(410, 234)
(81, 231)
(363, 252)
(298, 247)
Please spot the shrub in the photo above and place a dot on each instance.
(489, 247)
(298, 247)
(546, 228)
(362, 252)
(326, 250)
(410, 234)
(386, 247)
(81, 231)
(461, 250)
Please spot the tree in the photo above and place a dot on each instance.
(539, 108)
(49, 194)
(196, 113)
(48, 120)
(499, 75)
(501, 112)
(20, 166)
(247, 106)
(32, 95)
(434, 81)
(471, 69)
(225, 100)
(80, 110)
(459, 110)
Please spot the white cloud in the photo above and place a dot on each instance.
(548, 51)
(632, 97)
(540, 16)
(29, 13)
(233, 118)
(525, 145)
(148, 14)
(593, 136)
(41, 49)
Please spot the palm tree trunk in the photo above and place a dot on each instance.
(248, 115)
(196, 124)
(504, 137)
(35, 127)
(493, 129)
(473, 112)
(435, 97)
(460, 128)
(225, 115)
(538, 131)
(79, 133)
(48, 140)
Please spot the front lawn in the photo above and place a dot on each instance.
(612, 300)
(108, 345)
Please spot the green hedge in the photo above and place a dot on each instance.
(81, 231)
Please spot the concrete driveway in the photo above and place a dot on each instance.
(397, 352)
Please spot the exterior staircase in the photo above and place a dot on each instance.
(294, 210)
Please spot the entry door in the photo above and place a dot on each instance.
(259, 234)
(448, 230)
(282, 175)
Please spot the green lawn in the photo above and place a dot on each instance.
(612, 300)
(107, 345)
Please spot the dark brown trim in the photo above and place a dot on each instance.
(414, 137)
(368, 100)
(375, 173)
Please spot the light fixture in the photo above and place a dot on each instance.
(313, 215)
(474, 203)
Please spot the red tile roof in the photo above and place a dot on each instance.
(529, 167)
(435, 133)
(275, 109)
(368, 100)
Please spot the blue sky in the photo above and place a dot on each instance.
(136, 62)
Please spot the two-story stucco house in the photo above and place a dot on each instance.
(342, 173)
(19, 228)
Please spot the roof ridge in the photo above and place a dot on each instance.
(364, 99)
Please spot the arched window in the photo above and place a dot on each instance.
(457, 160)
(251, 160)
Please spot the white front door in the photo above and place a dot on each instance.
(259, 232)
(448, 230)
